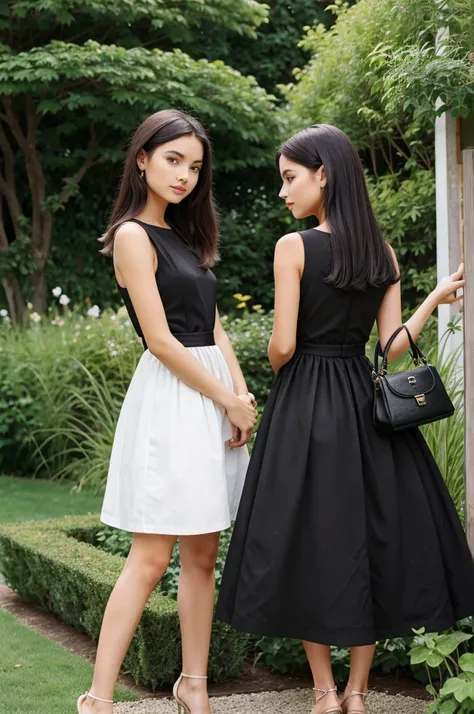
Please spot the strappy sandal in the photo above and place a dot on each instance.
(182, 707)
(84, 696)
(338, 710)
(353, 693)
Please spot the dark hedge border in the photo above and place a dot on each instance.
(46, 564)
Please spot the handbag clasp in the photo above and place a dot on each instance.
(421, 400)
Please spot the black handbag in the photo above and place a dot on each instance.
(403, 400)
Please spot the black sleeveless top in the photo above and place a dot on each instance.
(188, 292)
(328, 315)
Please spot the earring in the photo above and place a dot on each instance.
(142, 173)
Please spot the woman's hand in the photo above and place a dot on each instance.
(242, 415)
(445, 292)
(239, 437)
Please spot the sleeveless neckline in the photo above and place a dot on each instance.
(151, 225)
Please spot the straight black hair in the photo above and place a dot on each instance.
(195, 217)
(360, 255)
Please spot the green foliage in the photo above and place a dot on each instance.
(47, 564)
(406, 212)
(111, 87)
(442, 653)
(173, 18)
(48, 373)
(251, 225)
(283, 655)
(273, 55)
(428, 80)
(350, 99)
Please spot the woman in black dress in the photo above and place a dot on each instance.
(344, 535)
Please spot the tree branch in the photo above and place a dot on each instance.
(387, 159)
(3, 235)
(7, 182)
(89, 161)
(12, 121)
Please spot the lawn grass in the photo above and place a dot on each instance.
(38, 676)
(23, 499)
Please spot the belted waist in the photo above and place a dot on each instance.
(195, 339)
(330, 350)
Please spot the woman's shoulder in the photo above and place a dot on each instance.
(130, 237)
(130, 231)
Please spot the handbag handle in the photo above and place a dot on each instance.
(417, 354)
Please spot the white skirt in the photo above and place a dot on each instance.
(171, 471)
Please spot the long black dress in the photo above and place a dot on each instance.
(344, 536)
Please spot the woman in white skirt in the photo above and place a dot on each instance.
(179, 457)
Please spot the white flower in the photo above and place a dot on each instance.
(29, 305)
(88, 327)
(57, 291)
(113, 353)
(35, 317)
(94, 311)
(4, 313)
(59, 323)
(64, 300)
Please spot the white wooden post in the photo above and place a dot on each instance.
(468, 196)
(448, 215)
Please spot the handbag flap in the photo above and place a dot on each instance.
(420, 380)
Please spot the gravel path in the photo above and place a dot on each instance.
(293, 701)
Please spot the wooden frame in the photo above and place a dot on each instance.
(468, 215)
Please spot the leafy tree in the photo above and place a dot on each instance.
(76, 77)
(275, 52)
(376, 74)
(428, 78)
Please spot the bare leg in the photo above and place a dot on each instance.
(319, 658)
(361, 662)
(148, 559)
(196, 608)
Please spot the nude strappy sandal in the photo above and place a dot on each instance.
(354, 693)
(182, 707)
(84, 696)
(338, 710)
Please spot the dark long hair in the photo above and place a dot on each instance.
(195, 217)
(360, 255)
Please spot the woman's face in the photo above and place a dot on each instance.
(302, 189)
(172, 169)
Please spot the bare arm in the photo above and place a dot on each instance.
(389, 317)
(239, 437)
(225, 345)
(135, 261)
(288, 269)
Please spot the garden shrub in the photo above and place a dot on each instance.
(47, 564)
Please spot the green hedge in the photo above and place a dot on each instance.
(47, 564)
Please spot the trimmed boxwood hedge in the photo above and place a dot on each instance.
(46, 564)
